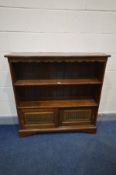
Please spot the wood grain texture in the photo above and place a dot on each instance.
(55, 54)
(82, 128)
(57, 82)
(57, 92)
(57, 103)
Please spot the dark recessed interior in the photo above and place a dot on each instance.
(35, 93)
(56, 70)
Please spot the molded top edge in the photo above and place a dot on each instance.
(55, 54)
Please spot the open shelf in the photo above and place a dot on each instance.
(35, 73)
(64, 92)
(56, 82)
(58, 103)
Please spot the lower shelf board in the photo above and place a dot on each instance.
(58, 103)
(84, 128)
(57, 82)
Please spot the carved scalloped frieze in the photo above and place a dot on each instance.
(54, 60)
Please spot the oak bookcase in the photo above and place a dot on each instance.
(57, 91)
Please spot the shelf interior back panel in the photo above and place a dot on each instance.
(35, 93)
(47, 71)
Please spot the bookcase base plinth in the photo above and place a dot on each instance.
(88, 129)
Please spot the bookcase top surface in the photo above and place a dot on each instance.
(55, 54)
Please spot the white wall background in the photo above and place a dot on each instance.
(58, 26)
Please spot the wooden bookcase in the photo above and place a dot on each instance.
(57, 91)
